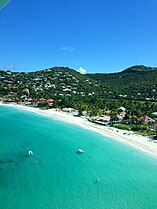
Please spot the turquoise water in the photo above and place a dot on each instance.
(63, 179)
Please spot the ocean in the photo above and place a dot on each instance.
(57, 177)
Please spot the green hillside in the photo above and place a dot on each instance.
(137, 82)
(134, 88)
(67, 87)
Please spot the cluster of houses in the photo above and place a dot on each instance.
(59, 81)
(107, 120)
(50, 86)
(28, 101)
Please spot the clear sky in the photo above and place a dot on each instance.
(97, 35)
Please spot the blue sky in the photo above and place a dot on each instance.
(97, 35)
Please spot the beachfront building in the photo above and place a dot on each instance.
(68, 110)
(103, 120)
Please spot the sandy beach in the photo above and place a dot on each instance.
(138, 142)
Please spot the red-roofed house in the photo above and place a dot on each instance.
(42, 99)
(28, 99)
(147, 119)
(50, 100)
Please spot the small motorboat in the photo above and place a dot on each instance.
(80, 151)
(30, 152)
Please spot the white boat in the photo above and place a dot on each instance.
(30, 152)
(80, 151)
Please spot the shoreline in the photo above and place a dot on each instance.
(138, 142)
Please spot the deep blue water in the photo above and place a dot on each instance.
(63, 179)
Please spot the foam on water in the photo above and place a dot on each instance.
(56, 177)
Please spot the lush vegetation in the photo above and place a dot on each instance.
(137, 82)
(98, 94)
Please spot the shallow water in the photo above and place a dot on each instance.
(56, 177)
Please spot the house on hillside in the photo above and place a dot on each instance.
(50, 102)
(121, 116)
(123, 109)
(42, 100)
(28, 99)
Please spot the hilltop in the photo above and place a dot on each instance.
(139, 68)
(137, 82)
